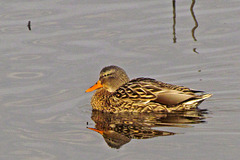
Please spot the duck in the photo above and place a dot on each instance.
(116, 93)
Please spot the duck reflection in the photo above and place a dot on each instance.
(119, 129)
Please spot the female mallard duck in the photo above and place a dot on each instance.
(116, 93)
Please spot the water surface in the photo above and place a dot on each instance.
(44, 73)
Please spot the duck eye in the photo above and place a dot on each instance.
(107, 74)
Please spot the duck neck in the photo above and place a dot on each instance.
(99, 99)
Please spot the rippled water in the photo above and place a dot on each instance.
(44, 111)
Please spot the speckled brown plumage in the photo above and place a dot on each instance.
(117, 94)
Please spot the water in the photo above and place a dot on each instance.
(44, 72)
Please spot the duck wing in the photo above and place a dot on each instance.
(144, 90)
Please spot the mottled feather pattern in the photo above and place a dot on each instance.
(145, 89)
(119, 94)
(152, 82)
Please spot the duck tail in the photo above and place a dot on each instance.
(198, 100)
(205, 96)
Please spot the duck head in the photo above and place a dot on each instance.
(110, 79)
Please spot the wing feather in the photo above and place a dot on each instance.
(143, 90)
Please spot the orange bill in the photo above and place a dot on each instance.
(95, 86)
(96, 130)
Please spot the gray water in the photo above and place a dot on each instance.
(44, 72)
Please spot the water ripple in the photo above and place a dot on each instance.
(26, 57)
(28, 14)
(25, 75)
